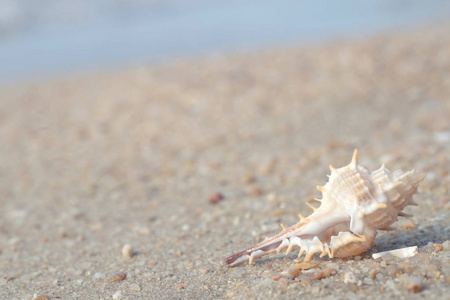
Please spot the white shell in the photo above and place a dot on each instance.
(355, 204)
(401, 253)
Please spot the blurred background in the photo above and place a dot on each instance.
(41, 38)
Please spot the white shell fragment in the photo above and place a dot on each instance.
(355, 204)
(400, 253)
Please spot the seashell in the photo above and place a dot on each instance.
(355, 204)
(401, 253)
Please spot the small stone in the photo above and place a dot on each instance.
(306, 265)
(135, 287)
(350, 277)
(438, 247)
(117, 295)
(306, 280)
(372, 274)
(230, 295)
(332, 271)
(380, 277)
(41, 297)
(247, 179)
(323, 274)
(118, 276)
(446, 245)
(414, 284)
(392, 270)
(180, 287)
(284, 282)
(333, 266)
(315, 290)
(278, 212)
(99, 276)
(294, 272)
(254, 191)
(409, 225)
(215, 198)
(203, 271)
(127, 251)
(276, 277)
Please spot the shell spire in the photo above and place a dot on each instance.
(355, 204)
(354, 162)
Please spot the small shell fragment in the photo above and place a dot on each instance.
(400, 253)
(127, 251)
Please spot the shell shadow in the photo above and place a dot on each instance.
(407, 238)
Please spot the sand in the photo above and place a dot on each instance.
(109, 180)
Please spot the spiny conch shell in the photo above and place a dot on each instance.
(355, 204)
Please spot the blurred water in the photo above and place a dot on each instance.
(50, 37)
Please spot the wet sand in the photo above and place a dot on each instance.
(91, 163)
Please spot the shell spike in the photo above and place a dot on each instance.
(251, 259)
(354, 162)
(402, 214)
(411, 202)
(320, 188)
(308, 256)
(302, 218)
(383, 166)
(332, 169)
(283, 227)
(300, 253)
(310, 206)
(388, 228)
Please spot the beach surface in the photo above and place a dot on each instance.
(137, 183)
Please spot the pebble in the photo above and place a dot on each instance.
(41, 297)
(414, 284)
(438, 247)
(135, 287)
(117, 295)
(215, 198)
(372, 274)
(350, 277)
(446, 245)
(409, 225)
(323, 274)
(284, 282)
(127, 251)
(333, 266)
(118, 276)
(254, 191)
(294, 272)
(276, 277)
(306, 265)
(392, 270)
(99, 276)
(247, 179)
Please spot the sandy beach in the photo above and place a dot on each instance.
(108, 180)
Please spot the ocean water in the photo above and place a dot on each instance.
(51, 37)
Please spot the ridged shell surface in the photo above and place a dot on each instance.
(355, 204)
